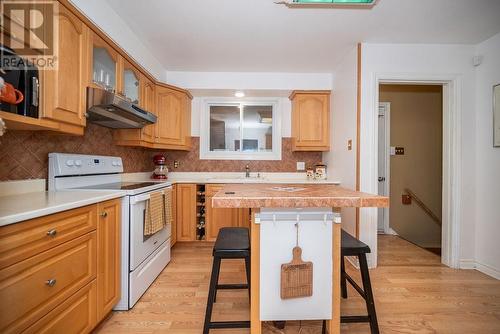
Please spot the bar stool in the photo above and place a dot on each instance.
(351, 246)
(231, 243)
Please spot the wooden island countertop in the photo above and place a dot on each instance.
(293, 196)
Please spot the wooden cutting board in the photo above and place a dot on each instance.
(296, 277)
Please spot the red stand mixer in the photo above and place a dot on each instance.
(161, 170)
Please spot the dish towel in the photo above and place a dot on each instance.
(167, 206)
(154, 219)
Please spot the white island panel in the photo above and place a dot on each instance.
(277, 239)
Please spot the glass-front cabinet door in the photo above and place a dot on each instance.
(131, 83)
(104, 65)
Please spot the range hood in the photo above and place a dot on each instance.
(113, 111)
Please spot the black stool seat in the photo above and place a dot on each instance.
(350, 246)
(231, 243)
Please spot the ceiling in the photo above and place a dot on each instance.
(261, 36)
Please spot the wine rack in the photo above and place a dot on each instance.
(200, 212)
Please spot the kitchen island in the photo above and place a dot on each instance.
(267, 202)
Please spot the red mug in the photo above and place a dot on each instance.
(11, 95)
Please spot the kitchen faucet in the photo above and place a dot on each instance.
(247, 171)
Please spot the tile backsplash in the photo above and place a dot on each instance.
(24, 154)
(190, 161)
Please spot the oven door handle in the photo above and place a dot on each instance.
(141, 198)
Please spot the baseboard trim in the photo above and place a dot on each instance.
(488, 270)
(467, 264)
(484, 268)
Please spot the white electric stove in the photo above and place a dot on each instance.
(143, 258)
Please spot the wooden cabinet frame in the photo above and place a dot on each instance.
(108, 256)
(310, 120)
(186, 212)
(216, 218)
(97, 41)
(63, 92)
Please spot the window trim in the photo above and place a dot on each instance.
(206, 154)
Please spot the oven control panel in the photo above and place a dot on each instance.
(63, 164)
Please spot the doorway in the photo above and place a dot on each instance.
(410, 162)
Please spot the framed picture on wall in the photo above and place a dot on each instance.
(496, 115)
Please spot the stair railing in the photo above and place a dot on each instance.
(424, 207)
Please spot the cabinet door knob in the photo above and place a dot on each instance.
(51, 282)
(52, 233)
(104, 214)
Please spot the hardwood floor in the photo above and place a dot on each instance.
(414, 293)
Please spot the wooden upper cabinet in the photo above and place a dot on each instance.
(63, 90)
(145, 136)
(130, 82)
(105, 65)
(310, 120)
(148, 102)
(173, 127)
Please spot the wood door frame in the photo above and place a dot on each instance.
(452, 153)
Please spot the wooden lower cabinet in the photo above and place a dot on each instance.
(65, 281)
(108, 256)
(217, 218)
(31, 288)
(186, 212)
(77, 314)
(173, 234)
(21, 241)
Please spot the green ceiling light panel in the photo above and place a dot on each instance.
(348, 2)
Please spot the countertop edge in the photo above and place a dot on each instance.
(23, 216)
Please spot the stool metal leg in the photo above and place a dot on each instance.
(367, 288)
(211, 293)
(343, 279)
(217, 282)
(247, 268)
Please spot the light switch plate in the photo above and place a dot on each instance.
(301, 165)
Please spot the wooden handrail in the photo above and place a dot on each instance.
(424, 207)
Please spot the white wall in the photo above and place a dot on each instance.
(487, 161)
(426, 61)
(250, 80)
(103, 16)
(340, 161)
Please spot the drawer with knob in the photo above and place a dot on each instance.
(20, 241)
(31, 288)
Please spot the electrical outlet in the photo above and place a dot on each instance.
(176, 163)
(400, 151)
(301, 165)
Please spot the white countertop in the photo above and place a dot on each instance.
(27, 205)
(17, 208)
(231, 177)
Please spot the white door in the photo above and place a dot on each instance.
(383, 160)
